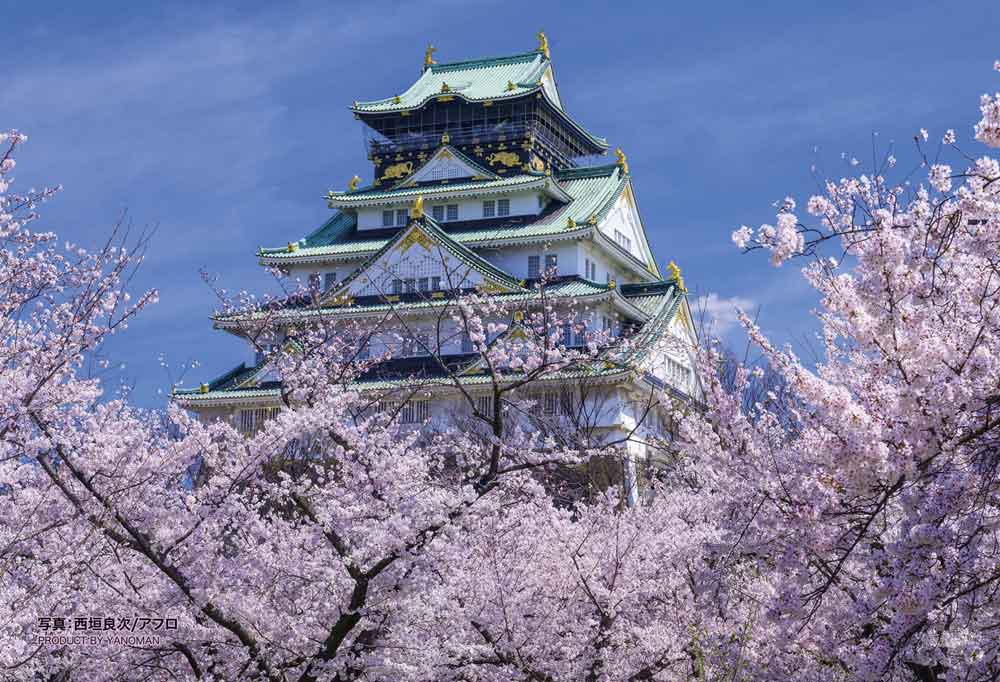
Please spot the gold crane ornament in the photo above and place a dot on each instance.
(429, 57)
(353, 184)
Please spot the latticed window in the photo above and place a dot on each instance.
(679, 374)
(436, 283)
(624, 241)
(503, 207)
(388, 218)
(329, 280)
(489, 208)
(397, 286)
(534, 266)
(401, 216)
(415, 412)
(438, 212)
(314, 281)
(466, 343)
(409, 285)
(484, 404)
(251, 421)
(452, 211)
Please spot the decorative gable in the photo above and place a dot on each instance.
(448, 164)
(549, 85)
(422, 259)
(624, 227)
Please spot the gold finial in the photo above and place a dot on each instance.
(543, 45)
(622, 162)
(570, 223)
(675, 274)
(548, 167)
(445, 137)
(203, 388)
(353, 184)
(519, 316)
(612, 283)
(592, 220)
(511, 86)
(445, 87)
(396, 100)
(292, 246)
(418, 207)
(429, 57)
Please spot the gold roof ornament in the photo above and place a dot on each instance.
(418, 207)
(352, 186)
(203, 388)
(570, 224)
(519, 316)
(292, 246)
(543, 44)
(592, 220)
(613, 283)
(445, 137)
(622, 161)
(445, 87)
(675, 274)
(548, 167)
(510, 86)
(429, 56)
(396, 99)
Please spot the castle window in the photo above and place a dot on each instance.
(436, 283)
(401, 215)
(623, 240)
(452, 211)
(388, 218)
(329, 280)
(397, 287)
(438, 212)
(489, 208)
(415, 412)
(467, 343)
(314, 281)
(591, 269)
(503, 207)
(567, 334)
(484, 404)
(679, 374)
(423, 284)
(552, 264)
(534, 266)
(409, 285)
(253, 420)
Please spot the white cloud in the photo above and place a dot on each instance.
(720, 314)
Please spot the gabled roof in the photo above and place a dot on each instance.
(661, 299)
(475, 80)
(592, 192)
(474, 169)
(482, 80)
(420, 230)
(486, 187)
(303, 310)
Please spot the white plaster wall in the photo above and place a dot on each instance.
(521, 203)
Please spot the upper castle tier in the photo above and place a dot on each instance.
(505, 112)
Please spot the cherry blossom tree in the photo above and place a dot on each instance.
(845, 529)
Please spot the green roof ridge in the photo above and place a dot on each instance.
(488, 61)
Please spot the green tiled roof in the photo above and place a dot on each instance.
(478, 80)
(663, 305)
(593, 192)
(570, 288)
(463, 253)
(475, 80)
(366, 196)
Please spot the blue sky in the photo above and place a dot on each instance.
(223, 124)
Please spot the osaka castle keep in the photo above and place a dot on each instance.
(482, 181)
